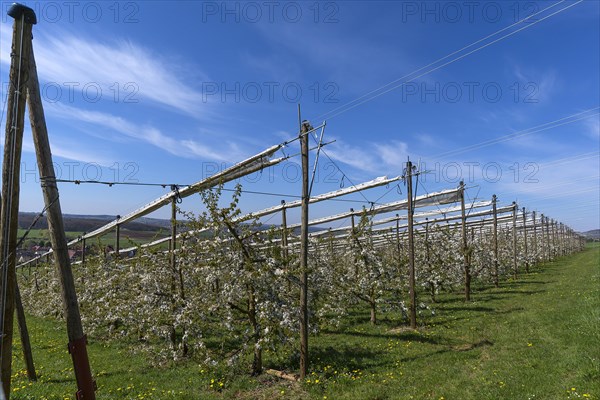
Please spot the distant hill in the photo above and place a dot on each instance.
(88, 223)
(593, 234)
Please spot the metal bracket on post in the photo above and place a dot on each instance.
(77, 349)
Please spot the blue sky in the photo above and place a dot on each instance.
(165, 92)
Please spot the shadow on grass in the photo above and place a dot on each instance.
(467, 308)
(516, 291)
(459, 349)
(350, 358)
(403, 333)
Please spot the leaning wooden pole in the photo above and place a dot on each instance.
(77, 339)
(411, 248)
(304, 129)
(21, 43)
(24, 333)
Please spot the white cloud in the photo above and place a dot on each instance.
(147, 133)
(69, 151)
(592, 128)
(535, 86)
(374, 158)
(68, 60)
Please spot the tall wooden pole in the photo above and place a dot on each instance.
(525, 240)
(427, 250)
(544, 241)
(535, 247)
(173, 240)
(514, 240)
(284, 234)
(411, 249)
(563, 239)
(77, 339)
(554, 238)
(83, 251)
(355, 241)
(177, 272)
(117, 238)
(495, 238)
(305, 127)
(21, 44)
(548, 246)
(398, 248)
(285, 252)
(465, 246)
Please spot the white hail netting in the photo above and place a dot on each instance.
(384, 231)
(248, 166)
(384, 209)
(380, 181)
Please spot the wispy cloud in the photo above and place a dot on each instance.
(592, 128)
(536, 86)
(70, 151)
(152, 135)
(373, 158)
(342, 56)
(66, 59)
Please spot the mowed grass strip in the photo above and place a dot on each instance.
(536, 337)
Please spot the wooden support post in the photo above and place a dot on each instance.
(24, 332)
(411, 248)
(548, 240)
(285, 251)
(544, 241)
(427, 249)
(11, 167)
(83, 250)
(525, 240)
(555, 252)
(284, 235)
(535, 247)
(117, 238)
(354, 242)
(563, 240)
(495, 238)
(173, 247)
(77, 339)
(514, 240)
(465, 246)
(398, 247)
(304, 129)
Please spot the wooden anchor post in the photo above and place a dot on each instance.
(77, 339)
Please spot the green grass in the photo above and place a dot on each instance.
(43, 234)
(533, 338)
(127, 237)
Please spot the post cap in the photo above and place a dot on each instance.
(19, 10)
